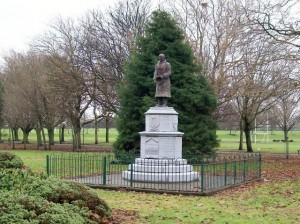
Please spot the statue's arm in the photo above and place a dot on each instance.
(155, 73)
(168, 70)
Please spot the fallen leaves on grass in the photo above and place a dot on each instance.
(122, 216)
(275, 168)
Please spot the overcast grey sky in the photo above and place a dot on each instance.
(21, 20)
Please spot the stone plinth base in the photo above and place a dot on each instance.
(160, 170)
(161, 144)
(161, 138)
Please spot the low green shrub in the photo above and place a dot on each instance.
(59, 191)
(53, 191)
(9, 160)
(20, 208)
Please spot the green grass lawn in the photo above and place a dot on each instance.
(264, 143)
(33, 159)
(275, 202)
(229, 141)
(272, 203)
(87, 135)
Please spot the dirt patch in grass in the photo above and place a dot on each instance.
(121, 216)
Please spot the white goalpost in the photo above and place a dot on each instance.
(264, 138)
(265, 133)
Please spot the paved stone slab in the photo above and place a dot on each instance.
(116, 180)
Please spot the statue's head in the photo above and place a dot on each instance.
(161, 57)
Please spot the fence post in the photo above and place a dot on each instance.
(234, 178)
(202, 176)
(54, 166)
(48, 164)
(259, 165)
(131, 174)
(244, 171)
(287, 147)
(104, 171)
(225, 173)
(80, 165)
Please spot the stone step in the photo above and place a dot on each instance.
(160, 177)
(160, 162)
(161, 168)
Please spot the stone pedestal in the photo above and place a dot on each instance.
(161, 138)
(161, 150)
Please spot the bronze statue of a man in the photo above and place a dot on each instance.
(163, 84)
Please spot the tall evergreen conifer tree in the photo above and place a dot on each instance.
(192, 96)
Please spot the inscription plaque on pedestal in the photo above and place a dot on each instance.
(151, 148)
(167, 146)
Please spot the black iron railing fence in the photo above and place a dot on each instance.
(213, 172)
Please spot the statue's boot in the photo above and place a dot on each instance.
(165, 102)
(160, 102)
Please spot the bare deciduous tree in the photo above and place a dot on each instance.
(17, 111)
(244, 66)
(279, 20)
(62, 46)
(41, 96)
(287, 111)
(90, 55)
(107, 43)
(26, 80)
(263, 76)
(214, 30)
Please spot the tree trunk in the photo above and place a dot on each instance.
(12, 138)
(38, 137)
(76, 136)
(59, 136)
(247, 130)
(286, 133)
(44, 139)
(25, 136)
(15, 134)
(82, 142)
(51, 135)
(241, 135)
(96, 133)
(96, 126)
(26, 132)
(63, 133)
